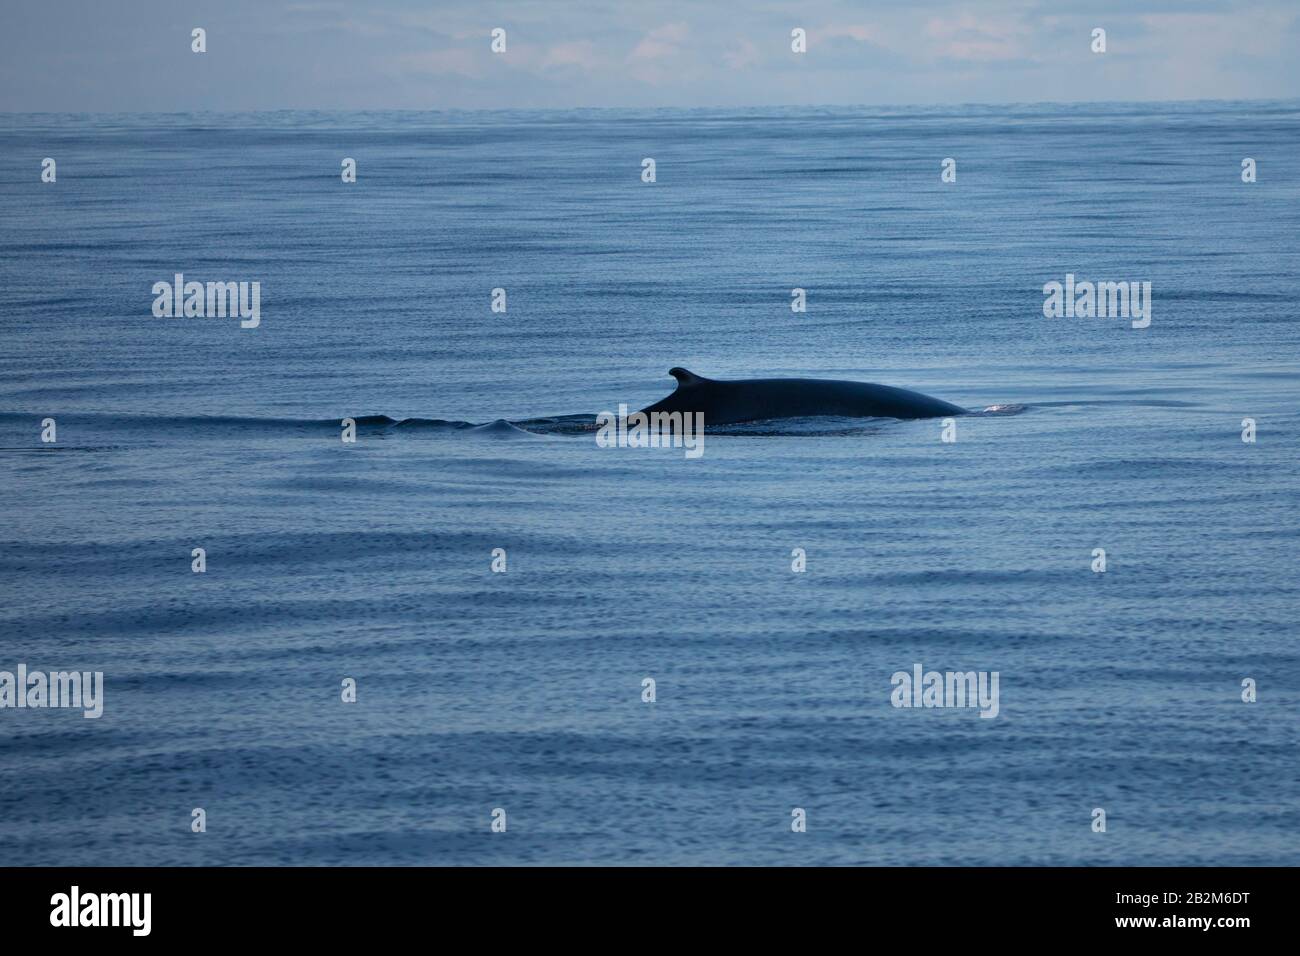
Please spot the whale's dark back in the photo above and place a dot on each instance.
(753, 399)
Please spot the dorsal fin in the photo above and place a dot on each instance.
(684, 377)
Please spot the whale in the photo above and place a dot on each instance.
(730, 401)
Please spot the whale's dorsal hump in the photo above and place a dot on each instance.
(685, 378)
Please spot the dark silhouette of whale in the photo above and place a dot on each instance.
(755, 399)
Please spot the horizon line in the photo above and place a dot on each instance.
(644, 108)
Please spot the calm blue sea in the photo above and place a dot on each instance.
(523, 690)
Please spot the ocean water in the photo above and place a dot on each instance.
(522, 690)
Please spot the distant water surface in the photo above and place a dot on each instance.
(522, 690)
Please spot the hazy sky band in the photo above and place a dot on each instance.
(92, 55)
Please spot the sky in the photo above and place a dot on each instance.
(134, 55)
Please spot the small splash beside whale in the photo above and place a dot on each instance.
(500, 430)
